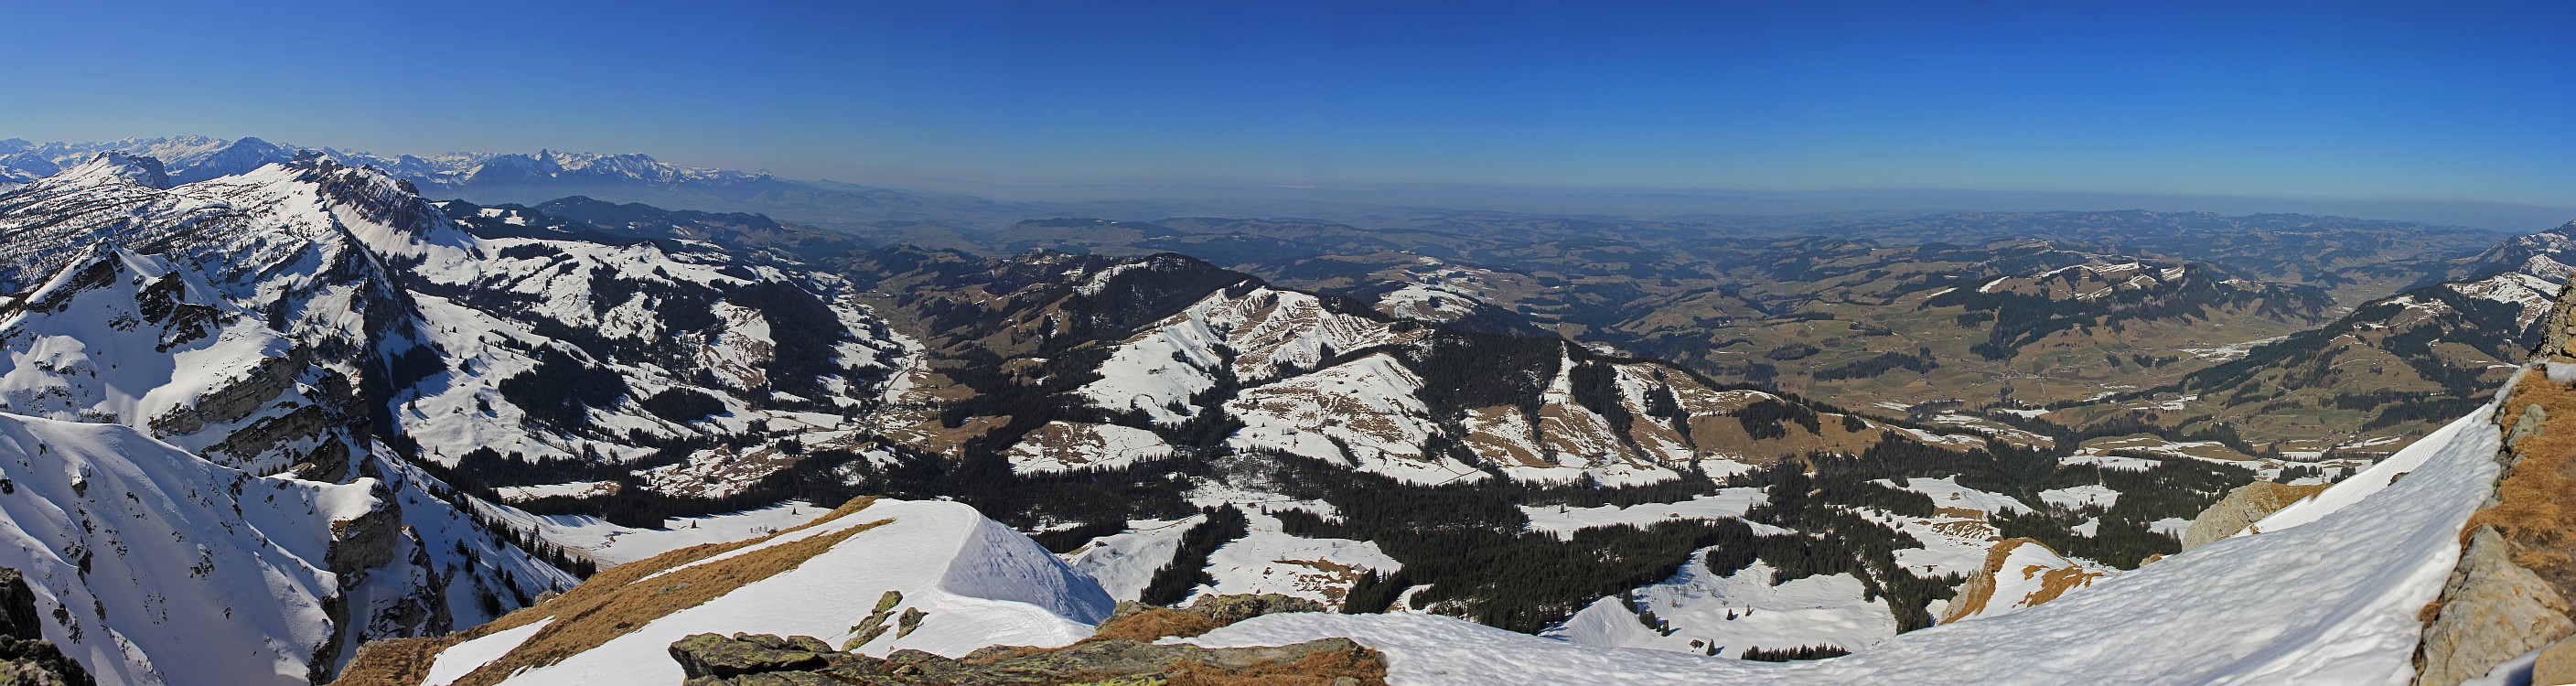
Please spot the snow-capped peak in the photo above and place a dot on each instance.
(117, 167)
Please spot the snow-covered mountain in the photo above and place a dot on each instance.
(326, 322)
(123, 338)
(481, 341)
(2546, 254)
(197, 158)
(136, 548)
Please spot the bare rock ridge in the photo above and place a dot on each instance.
(1122, 651)
(2509, 594)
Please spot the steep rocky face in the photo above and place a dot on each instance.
(26, 658)
(2243, 507)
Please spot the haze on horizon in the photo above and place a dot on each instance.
(1788, 106)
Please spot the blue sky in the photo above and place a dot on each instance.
(2428, 101)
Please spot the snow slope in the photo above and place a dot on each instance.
(2328, 601)
(136, 549)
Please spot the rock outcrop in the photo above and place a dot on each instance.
(2019, 573)
(2243, 507)
(26, 658)
(2510, 593)
(747, 660)
(1123, 651)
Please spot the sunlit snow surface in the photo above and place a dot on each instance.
(980, 583)
(2329, 601)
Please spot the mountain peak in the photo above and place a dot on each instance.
(117, 167)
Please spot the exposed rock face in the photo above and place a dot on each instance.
(25, 656)
(710, 655)
(2243, 507)
(2558, 327)
(2492, 611)
(2557, 664)
(746, 660)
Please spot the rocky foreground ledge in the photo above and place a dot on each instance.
(1122, 652)
(25, 656)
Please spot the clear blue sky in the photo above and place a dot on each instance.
(2457, 101)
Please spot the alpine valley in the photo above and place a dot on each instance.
(272, 414)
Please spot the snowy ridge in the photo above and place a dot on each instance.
(1266, 332)
(976, 583)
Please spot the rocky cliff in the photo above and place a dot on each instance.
(26, 658)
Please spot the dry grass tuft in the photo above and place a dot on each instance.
(2056, 582)
(396, 662)
(1154, 623)
(1315, 669)
(2537, 512)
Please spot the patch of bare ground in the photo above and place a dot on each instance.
(1314, 669)
(1153, 623)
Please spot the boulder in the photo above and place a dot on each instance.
(2492, 611)
(2243, 507)
(744, 660)
(711, 655)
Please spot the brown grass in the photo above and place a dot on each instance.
(1154, 623)
(2056, 582)
(1980, 589)
(1315, 669)
(611, 604)
(396, 662)
(1959, 512)
(2537, 512)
